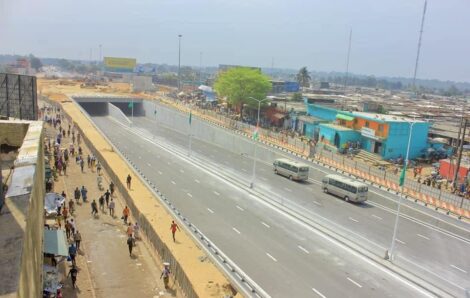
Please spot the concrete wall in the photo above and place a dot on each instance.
(22, 221)
(12, 132)
(96, 108)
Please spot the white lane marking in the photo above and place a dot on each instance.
(140, 157)
(240, 208)
(244, 170)
(159, 172)
(216, 193)
(273, 258)
(149, 164)
(303, 249)
(181, 171)
(460, 269)
(265, 224)
(173, 182)
(316, 203)
(210, 210)
(318, 293)
(422, 236)
(197, 181)
(288, 189)
(399, 241)
(357, 284)
(236, 230)
(169, 163)
(355, 220)
(189, 195)
(378, 217)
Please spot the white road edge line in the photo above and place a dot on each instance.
(159, 172)
(189, 195)
(210, 210)
(378, 217)
(240, 208)
(197, 181)
(236, 230)
(265, 224)
(273, 258)
(316, 203)
(173, 182)
(303, 249)
(354, 282)
(399, 241)
(422, 236)
(355, 220)
(287, 189)
(216, 193)
(318, 293)
(460, 269)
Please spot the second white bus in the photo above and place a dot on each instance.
(348, 189)
(291, 169)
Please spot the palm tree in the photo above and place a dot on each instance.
(303, 77)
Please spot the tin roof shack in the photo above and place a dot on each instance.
(337, 135)
(21, 216)
(448, 168)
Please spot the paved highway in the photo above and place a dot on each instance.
(284, 256)
(430, 244)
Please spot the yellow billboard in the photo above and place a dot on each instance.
(120, 64)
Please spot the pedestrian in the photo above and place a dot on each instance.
(82, 164)
(173, 229)
(130, 230)
(78, 138)
(136, 231)
(111, 208)
(84, 192)
(98, 168)
(80, 151)
(101, 202)
(73, 138)
(72, 253)
(58, 205)
(111, 188)
(125, 214)
(64, 168)
(72, 206)
(74, 228)
(65, 212)
(88, 160)
(68, 229)
(77, 237)
(130, 244)
(106, 196)
(76, 194)
(128, 181)
(166, 274)
(94, 208)
(73, 274)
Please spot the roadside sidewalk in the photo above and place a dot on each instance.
(105, 268)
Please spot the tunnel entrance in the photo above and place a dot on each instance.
(101, 106)
(95, 108)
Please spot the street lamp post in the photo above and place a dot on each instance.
(253, 177)
(395, 229)
(179, 62)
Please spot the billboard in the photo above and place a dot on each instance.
(119, 64)
(18, 96)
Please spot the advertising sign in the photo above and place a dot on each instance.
(368, 133)
(120, 64)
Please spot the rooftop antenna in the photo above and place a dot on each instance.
(347, 60)
(419, 47)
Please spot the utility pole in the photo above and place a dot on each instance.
(179, 62)
(459, 157)
(347, 60)
(419, 47)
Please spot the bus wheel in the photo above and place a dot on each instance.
(346, 198)
(275, 172)
(290, 177)
(325, 190)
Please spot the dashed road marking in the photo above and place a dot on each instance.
(265, 224)
(173, 182)
(140, 157)
(272, 258)
(160, 172)
(354, 282)
(210, 210)
(189, 195)
(303, 249)
(149, 164)
(399, 241)
(197, 181)
(377, 217)
(352, 219)
(288, 189)
(244, 170)
(316, 203)
(460, 269)
(216, 193)
(263, 178)
(240, 208)
(318, 293)
(181, 171)
(238, 232)
(422, 236)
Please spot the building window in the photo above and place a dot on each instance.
(367, 124)
(381, 127)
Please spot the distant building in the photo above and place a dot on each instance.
(284, 87)
(324, 85)
(225, 67)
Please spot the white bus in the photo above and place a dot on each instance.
(291, 169)
(348, 189)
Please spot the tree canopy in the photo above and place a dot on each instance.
(303, 77)
(35, 62)
(240, 83)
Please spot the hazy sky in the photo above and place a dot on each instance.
(248, 32)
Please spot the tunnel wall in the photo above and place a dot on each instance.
(95, 108)
(124, 106)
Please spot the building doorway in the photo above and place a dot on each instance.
(337, 140)
(377, 147)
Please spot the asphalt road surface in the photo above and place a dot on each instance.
(284, 256)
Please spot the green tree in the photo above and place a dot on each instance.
(303, 77)
(239, 84)
(35, 62)
(297, 96)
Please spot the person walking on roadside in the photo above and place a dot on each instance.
(111, 188)
(72, 253)
(68, 228)
(166, 274)
(128, 181)
(130, 230)
(76, 194)
(65, 212)
(84, 192)
(94, 208)
(77, 237)
(101, 202)
(74, 228)
(73, 273)
(106, 196)
(173, 229)
(82, 164)
(88, 160)
(98, 168)
(64, 168)
(130, 245)
(136, 231)
(111, 207)
(125, 214)
(72, 205)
